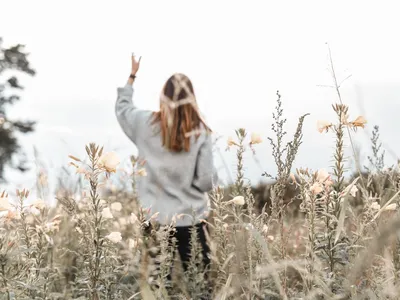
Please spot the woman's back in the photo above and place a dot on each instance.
(176, 181)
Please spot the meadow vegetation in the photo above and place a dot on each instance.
(309, 234)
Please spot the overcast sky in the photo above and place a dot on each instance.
(237, 53)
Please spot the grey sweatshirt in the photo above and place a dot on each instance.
(176, 183)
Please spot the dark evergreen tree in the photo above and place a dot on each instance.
(12, 59)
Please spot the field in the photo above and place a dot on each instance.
(310, 234)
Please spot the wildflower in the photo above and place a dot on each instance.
(265, 229)
(123, 221)
(231, 142)
(238, 200)
(392, 206)
(109, 162)
(350, 189)
(39, 204)
(114, 237)
(141, 172)
(117, 206)
(323, 126)
(271, 238)
(106, 213)
(4, 204)
(375, 206)
(359, 122)
(324, 177)
(316, 188)
(255, 139)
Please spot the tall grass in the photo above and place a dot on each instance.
(99, 243)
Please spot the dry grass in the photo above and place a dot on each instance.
(307, 235)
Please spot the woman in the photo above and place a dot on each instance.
(176, 145)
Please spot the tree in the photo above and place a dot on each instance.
(12, 60)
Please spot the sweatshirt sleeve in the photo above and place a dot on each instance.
(205, 173)
(127, 113)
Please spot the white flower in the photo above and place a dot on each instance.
(316, 188)
(109, 162)
(141, 172)
(265, 229)
(114, 237)
(231, 142)
(392, 206)
(117, 206)
(323, 126)
(375, 206)
(4, 204)
(255, 139)
(324, 177)
(238, 200)
(350, 189)
(123, 221)
(106, 213)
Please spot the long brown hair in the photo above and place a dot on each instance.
(179, 116)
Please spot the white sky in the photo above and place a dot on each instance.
(237, 53)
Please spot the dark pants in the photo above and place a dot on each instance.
(182, 235)
(183, 238)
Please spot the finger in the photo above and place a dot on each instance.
(140, 58)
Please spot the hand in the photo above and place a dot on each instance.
(135, 64)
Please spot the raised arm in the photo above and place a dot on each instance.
(125, 110)
(205, 174)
